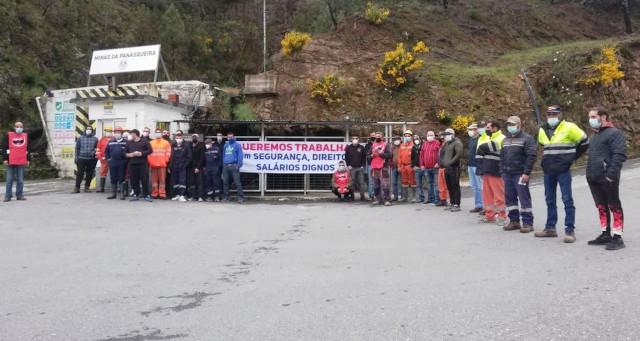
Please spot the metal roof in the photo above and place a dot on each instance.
(293, 122)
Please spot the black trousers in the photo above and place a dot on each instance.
(349, 195)
(452, 177)
(606, 196)
(195, 183)
(86, 167)
(139, 177)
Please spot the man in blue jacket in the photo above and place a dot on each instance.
(232, 157)
(517, 156)
(607, 152)
(212, 164)
(180, 158)
(117, 161)
(85, 159)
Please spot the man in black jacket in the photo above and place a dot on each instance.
(137, 151)
(356, 160)
(607, 153)
(517, 156)
(195, 179)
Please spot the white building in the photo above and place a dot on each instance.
(155, 105)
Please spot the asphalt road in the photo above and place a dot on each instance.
(79, 267)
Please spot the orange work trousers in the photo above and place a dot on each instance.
(493, 197)
(408, 176)
(442, 185)
(104, 168)
(158, 179)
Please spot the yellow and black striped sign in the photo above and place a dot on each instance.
(105, 93)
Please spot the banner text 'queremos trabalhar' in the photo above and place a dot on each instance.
(292, 157)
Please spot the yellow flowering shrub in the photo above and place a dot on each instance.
(294, 41)
(460, 123)
(326, 88)
(607, 70)
(398, 63)
(205, 44)
(443, 117)
(375, 14)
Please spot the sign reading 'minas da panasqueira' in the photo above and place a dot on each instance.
(130, 59)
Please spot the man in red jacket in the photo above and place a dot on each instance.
(100, 151)
(16, 157)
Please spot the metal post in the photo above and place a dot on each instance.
(263, 176)
(306, 176)
(164, 67)
(346, 134)
(264, 36)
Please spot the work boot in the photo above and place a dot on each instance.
(475, 210)
(602, 239)
(526, 229)
(455, 208)
(413, 194)
(76, 190)
(87, 190)
(513, 225)
(114, 192)
(125, 190)
(570, 237)
(442, 203)
(616, 243)
(546, 233)
(102, 183)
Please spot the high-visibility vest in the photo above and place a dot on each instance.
(560, 149)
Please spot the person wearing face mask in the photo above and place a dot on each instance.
(85, 159)
(367, 149)
(138, 150)
(180, 158)
(195, 172)
(15, 158)
(563, 142)
(341, 184)
(396, 181)
(232, 158)
(146, 134)
(517, 156)
(115, 155)
(356, 160)
(607, 153)
(474, 179)
(167, 181)
(158, 161)
(212, 164)
(443, 192)
(429, 166)
(488, 164)
(417, 171)
(379, 157)
(451, 163)
(404, 165)
(100, 151)
(126, 134)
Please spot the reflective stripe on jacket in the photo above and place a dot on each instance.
(161, 153)
(567, 143)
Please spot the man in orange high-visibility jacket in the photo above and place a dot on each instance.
(404, 166)
(104, 163)
(158, 161)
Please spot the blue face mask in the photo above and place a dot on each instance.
(19, 130)
(448, 138)
(471, 133)
(158, 135)
(232, 140)
(407, 139)
(481, 131)
(512, 129)
(553, 121)
(594, 123)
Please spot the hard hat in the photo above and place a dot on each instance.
(408, 132)
(118, 128)
(126, 129)
(108, 128)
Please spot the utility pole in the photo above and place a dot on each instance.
(264, 36)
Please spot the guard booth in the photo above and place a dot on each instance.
(316, 146)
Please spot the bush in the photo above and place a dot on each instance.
(294, 42)
(460, 123)
(375, 14)
(398, 63)
(327, 88)
(607, 70)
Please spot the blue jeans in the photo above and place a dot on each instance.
(431, 174)
(551, 183)
(420, 174)
(395, 179)
(230, 171)
(514, 192)
(19, 172)
(370, 179)
(476, 186)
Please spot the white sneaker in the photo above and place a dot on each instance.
(182, 198)
(175, 198)
(200, 200)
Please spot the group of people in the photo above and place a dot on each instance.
(158, 167)
(499, 168)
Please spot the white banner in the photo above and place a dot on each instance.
(292, 157)
(130, 59)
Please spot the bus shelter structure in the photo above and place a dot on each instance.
(306, 131)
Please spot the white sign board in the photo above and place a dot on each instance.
(130, 59)
(292, 157)
(64, 123)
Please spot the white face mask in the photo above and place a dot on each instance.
(88, 132)
(208, 146)
(471, 133)
(342, 168)
(219, 138)
(130, 137)
(179, 140)
(145, 133)
(354, 141)
(431, 138)
(396, 142)
(416, 141)
(108, 134)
